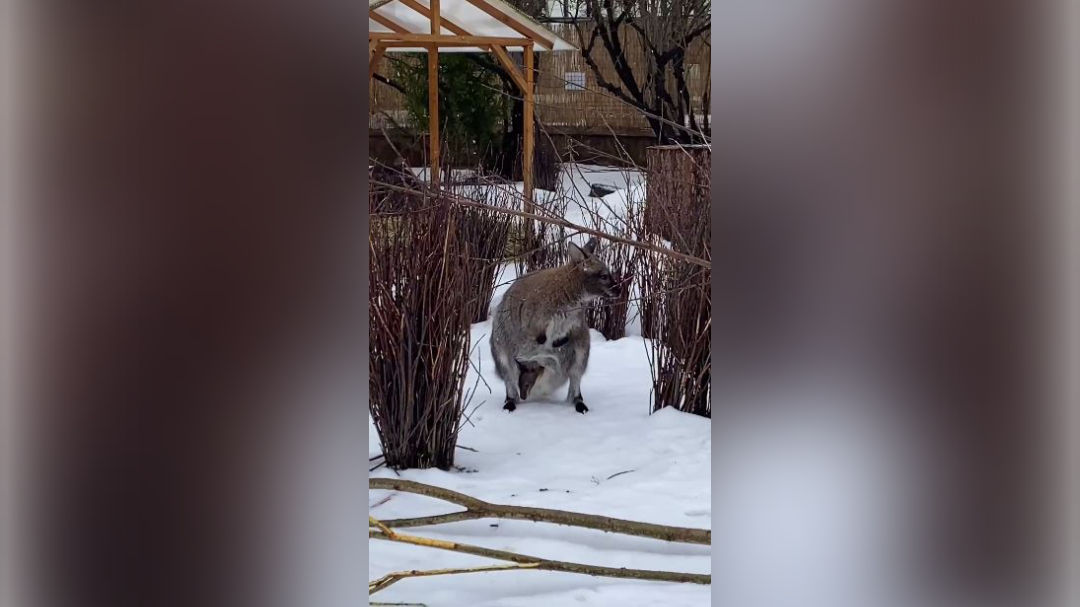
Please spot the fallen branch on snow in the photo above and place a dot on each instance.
(393, 578)
(544, 564)
(478, 509)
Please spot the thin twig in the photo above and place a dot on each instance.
(564, 224)
(381, 502)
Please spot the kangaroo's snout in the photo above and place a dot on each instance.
(597, 280)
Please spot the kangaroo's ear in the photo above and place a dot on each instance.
(590, 247)
(575, 252)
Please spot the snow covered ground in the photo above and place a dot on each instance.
(617, 460)
(546, 455)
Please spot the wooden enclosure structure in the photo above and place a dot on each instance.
(568, 97)
(469, 26)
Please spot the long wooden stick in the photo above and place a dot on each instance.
(480, 509)
(557, 221)
(433, 96)
(393, 578)
(547, 565)
(528, 126)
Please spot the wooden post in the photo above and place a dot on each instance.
(528, 125)
(433, 95)
(377, 53)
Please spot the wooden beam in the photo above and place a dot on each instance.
(506, 20)
(386, 22)
(425, 46)
(444, 40)
(433, 94)
(528, 128)
(510, 67)
(435, 17)
(376, 57)
(433, 116)
(423, 10)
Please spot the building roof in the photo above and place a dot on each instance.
(461, 22)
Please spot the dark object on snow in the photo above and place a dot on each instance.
(599, 190)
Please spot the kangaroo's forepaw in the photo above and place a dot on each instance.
(510, 405)
(579, 406)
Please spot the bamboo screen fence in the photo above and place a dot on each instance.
(560, 104)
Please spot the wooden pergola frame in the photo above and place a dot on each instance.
(526, 38)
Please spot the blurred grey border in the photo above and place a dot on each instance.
(1063, 121)
(365, 223)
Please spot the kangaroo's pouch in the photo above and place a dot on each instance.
(528, 373)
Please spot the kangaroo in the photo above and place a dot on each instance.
(539, 336)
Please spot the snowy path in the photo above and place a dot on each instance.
(546, 455)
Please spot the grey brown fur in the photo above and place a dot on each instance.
(539, 336)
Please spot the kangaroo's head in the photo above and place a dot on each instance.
(596, 280)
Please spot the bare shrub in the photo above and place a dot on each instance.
(680, 319)
(676, 308)
(386, 185)
(609, 316)
(543, 245)
(485, 234)
(422, 300)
